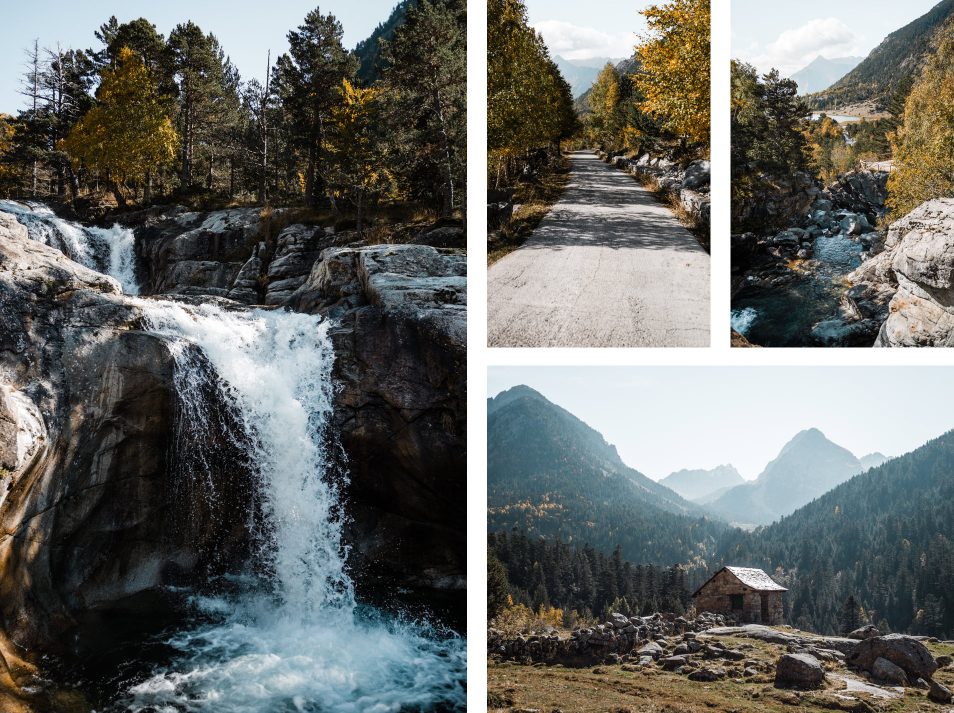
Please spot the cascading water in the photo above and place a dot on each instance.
(107, 250)
(290, 636)
(294, 640)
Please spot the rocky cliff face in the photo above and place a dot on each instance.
(97, 509)
(93, 509)
(917, 266)
(400, 342)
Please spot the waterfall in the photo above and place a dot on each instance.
(288, 634)
(107, 250)
(298, 641)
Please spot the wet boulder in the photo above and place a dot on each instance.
(917, 263)
(197, 253)
(97, 524)
(297, 247)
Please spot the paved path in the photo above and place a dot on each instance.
(609, 266)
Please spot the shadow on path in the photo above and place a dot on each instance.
(608, 266)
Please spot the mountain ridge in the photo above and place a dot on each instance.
(889, 67)
(807, 466)
(551, 474)
(694, 484)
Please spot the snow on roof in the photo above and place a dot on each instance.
(756, 578)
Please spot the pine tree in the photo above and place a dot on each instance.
(498, 588)
(207, 98)
(426, 78)
(306, 81)
(850, 615)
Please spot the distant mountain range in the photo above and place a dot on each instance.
(699, 485)
(368, 51)
(808, 466)
(581, 73)
(876, 529)
(822, 72)
(548, 473)
(890, 66)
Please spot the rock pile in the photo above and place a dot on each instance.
(694, 647)
(640, 640)
(689, 183)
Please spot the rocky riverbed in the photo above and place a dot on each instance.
(791, 288)
(106, 422)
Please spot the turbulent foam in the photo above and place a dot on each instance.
(298, 643)
(108, 250)
(742, 319)
(259, 658)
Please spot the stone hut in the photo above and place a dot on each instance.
(746, 593)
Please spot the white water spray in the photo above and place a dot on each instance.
(296, 641)
(299, 644)
(107, 250)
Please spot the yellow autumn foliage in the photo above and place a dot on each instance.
(673, 77)
(128, 132)
(924, 143)
(353, 145)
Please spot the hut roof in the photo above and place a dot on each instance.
(750, 577)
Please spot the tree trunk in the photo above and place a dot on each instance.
(263, 123)
(147, 189)
(186, 173)
(117, 191)
(73, 183)
(210, 177)
(448, 189)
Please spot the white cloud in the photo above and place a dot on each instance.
(793, 49)
(574, 42)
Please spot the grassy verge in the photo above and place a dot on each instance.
(535, 201)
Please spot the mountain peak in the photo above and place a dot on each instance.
(806, 436)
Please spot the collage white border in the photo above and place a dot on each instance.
(719, 353)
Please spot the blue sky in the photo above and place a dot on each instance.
(582, 30)
(247, 30)
(789, 35)
(663, 419)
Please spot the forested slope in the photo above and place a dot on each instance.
(890, 66)
(549, 473)
(885, 537)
